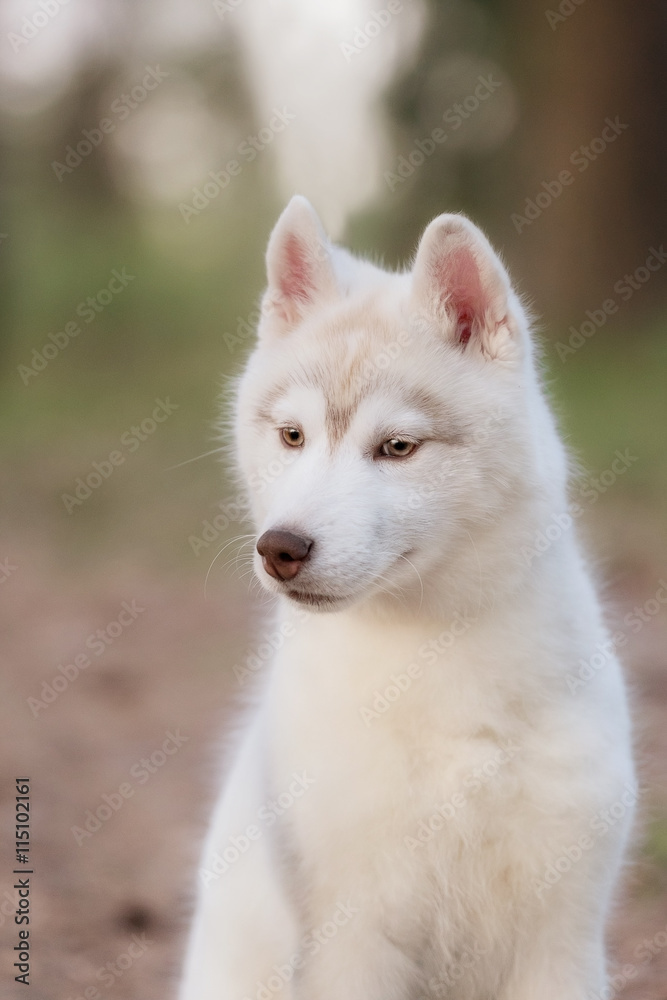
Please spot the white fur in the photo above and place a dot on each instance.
(438, 677)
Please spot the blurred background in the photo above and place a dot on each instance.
(147, 148)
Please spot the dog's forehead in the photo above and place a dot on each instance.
(353, 358)
(339, 357)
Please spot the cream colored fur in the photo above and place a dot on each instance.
(454, 815)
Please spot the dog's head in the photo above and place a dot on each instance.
(386, 422)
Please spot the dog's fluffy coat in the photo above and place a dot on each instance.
(446, 837)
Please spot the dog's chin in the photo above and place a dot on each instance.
(314, 600)
(318, 601)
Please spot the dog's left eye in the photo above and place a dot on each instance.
(292, 436)
(397, 448)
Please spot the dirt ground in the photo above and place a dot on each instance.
(167, 679)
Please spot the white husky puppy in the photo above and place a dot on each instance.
(433, 794)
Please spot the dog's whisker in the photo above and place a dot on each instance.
(238, 538)
(421, 582)
(479, 569)
(394, 589)
(241, 558)
(205, 454)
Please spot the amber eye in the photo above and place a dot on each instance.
(397, 448)
(292, 436)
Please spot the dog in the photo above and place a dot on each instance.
(428, 799)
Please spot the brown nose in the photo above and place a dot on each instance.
(283, 553)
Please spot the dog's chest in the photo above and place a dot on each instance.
(419, 790)
(419, 829)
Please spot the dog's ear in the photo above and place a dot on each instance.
(459, 282)
(298, 264)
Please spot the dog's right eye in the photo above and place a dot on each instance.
(292, 436)
(397, 448)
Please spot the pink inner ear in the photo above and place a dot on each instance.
(460, 286)
(296, 280)
(464, 326)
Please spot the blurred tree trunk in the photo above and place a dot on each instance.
(607, 59)
(566, 67)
